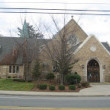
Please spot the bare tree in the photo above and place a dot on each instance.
(60, 52)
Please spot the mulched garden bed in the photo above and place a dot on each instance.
(57, 90)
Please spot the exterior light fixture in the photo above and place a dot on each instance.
(104, 66)
(82, 66)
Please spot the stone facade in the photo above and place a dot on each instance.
(85, 53)
(86, 49)
(90, 48)
(5, 72)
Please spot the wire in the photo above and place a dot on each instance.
(57, 13)
(59, 3)
(53, 9)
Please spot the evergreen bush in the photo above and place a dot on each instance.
(72, 87)
(42, 86)
(52, 87)
(61, 87)
(73, 78)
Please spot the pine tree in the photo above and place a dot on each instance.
(28, 31)
(36, 70)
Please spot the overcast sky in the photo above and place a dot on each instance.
(97, 25)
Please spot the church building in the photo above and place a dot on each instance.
(93, 56)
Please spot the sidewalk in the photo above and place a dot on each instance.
(94, 90)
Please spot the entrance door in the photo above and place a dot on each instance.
(93, 71)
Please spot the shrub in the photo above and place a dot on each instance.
(29, 80)
(69, 79)
(9, 76)
(14, 76)
(72, 87)
(42, 86)
(61, 87)
(52, 87)
(50, 76)
(77, 77)
(79, 85)
(73, 78)
(85, 84)
(19, 80)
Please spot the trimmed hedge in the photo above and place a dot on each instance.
(72, 87)
(51, 87)
(42, 86)
(61, 87)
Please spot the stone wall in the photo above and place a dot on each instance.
(4, 72)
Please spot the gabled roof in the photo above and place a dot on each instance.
(103, 44)
(74, 27)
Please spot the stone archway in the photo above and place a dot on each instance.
(93, 71)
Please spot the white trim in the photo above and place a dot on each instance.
(82, 44)
(86, 40)
(100, 66)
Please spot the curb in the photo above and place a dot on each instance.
(57, 95)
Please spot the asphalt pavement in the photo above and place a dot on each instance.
(50, 103)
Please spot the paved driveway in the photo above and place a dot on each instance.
(97, 89)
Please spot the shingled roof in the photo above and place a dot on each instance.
(7, 44)
(106, 45)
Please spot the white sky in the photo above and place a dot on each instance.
(97, 25)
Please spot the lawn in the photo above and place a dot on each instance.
(9, 84)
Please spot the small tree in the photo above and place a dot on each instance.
(73, 78)
(36, 70)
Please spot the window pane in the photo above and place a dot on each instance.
(17, 69)
(13, 69)
(9, 69)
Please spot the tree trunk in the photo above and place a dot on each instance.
(62, 79)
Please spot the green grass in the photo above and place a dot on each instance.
(9, 84)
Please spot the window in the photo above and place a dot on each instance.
(9, 69)
(72, 40)
(17, 69)
(45, 65)
(13, 69)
